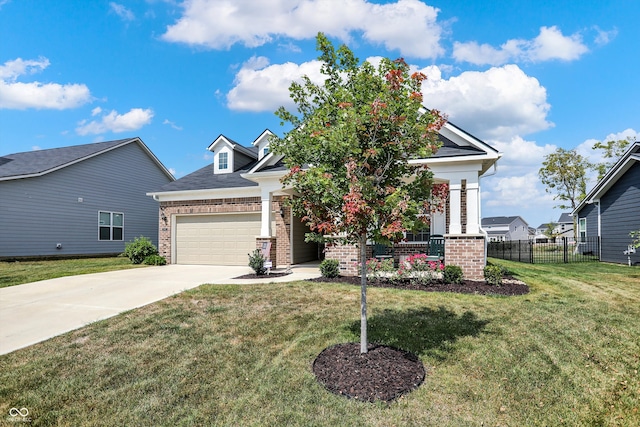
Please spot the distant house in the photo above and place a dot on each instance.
(612, 209)
(561, 228)
(220, 213)
(504, 228)
(78, 200)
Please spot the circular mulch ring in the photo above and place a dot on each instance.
(383, 373)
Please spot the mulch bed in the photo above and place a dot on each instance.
(509, 287)
(383, 373)
(262, 276)
(386, 373)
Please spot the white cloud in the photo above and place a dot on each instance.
(19, 96)
(223, 23)
(263, 87)
(550, 44)
(96, 111)
(120, 10)
(605, 37)
(170, 123)
(114, 122)
(499, 103)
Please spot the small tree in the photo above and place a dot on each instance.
(350, 149)
(551, 231)
(564, 173)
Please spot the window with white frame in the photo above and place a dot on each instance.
(223, 161)
(110, 226)
(582, 228)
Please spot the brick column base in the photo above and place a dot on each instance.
(467, 252)
(347, 255)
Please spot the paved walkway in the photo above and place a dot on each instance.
(35, 312)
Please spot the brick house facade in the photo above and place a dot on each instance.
(194, 210)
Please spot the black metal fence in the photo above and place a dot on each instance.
(560, 250)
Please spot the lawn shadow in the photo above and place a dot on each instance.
(423, 331)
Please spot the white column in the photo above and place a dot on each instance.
(265, 224)
(473, 207)
(455, 225)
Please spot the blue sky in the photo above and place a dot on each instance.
(524, 76)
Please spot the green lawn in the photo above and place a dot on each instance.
(19, 272)
(568, 353)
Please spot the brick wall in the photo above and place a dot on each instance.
(467, 252)
(348, 255)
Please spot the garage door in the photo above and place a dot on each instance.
(216, 239)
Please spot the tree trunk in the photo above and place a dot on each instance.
(363, 293)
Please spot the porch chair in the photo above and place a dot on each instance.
(436, 248)
(382, 251)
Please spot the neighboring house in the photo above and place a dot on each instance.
(79, 200)
(220, 213)
(504, 228)
(561, 228)
(612, 208)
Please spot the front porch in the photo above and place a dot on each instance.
(464, 243)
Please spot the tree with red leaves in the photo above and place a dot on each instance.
(350, 153)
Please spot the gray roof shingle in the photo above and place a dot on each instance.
(33, 163)
(204, 179)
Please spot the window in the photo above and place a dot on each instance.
(582, 228)
(110, 226)
(223, 160)
(418, 236)
(265, 151)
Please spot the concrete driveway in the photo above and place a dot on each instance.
(37, 311)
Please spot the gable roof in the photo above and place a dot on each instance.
(30, 164)
(565, 217)
(456, 143)
(628, 159)
(247, 151)
(499, 220)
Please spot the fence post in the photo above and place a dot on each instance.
(566, 248)
(531, 248)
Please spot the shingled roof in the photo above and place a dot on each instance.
(39, 162)
(204, 179)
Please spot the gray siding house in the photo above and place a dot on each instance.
(612, 209)
(79, 200)
(505, 228)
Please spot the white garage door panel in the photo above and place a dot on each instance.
(216, 239)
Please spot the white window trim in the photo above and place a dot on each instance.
(226, 161)
(111, 226)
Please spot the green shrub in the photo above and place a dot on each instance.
(154, 260)
(452, 274)
(330, 268)
(256, 262)
(493, 275)
(140, 248)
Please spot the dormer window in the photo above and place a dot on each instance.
(265, 151)
(223, 161)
